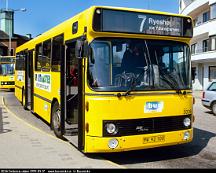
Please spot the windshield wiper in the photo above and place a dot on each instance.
(134, 82)
(173, 84)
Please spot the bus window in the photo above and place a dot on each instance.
(38, 58)
(57, 48)
(100, 64)
(46, 55)
(20, 62)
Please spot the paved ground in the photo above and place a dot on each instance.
(24, 146)
(24, 141)
(201, 153)
(197, 94)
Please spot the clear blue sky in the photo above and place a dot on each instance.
(42, 15)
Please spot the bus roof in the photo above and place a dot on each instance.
(66, 25)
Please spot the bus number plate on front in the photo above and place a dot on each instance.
(153, 139)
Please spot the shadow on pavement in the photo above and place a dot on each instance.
(209, 112)
(2, 123)
(200, 141)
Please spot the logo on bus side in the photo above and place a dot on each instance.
(153, 107)
(43, 81)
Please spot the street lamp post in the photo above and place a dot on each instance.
(8, 22)
(9, 25)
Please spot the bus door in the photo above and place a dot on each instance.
(71, 94)
(29, 80)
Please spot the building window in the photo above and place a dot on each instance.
(195, 21)
(12, 52)
(193, 74)
(213, 11)
(193, 48)
(206, 16)
(213, 42)
(205, 45)
(212, 73)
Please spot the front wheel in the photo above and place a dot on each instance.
(214, 108)
(56, 120)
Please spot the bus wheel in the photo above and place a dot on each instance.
(56, 120)
(213, 107)
(12, 89)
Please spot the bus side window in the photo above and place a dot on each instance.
(46, 55)
(38, 57)
(72, 66)
(57, 49)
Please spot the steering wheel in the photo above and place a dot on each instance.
(124, 79)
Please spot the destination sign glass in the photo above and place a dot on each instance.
(141, 23)
(7, 59)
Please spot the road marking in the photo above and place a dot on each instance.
(37, 129)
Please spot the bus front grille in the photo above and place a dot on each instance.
(146, 125)
(7, 83)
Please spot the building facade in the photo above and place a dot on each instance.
(15, 41)
(8, 39)
(203, 44)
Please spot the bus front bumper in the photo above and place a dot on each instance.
(7, 84)
(137, 142)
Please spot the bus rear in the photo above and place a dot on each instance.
(7, 72)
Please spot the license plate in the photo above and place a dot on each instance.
(153, 139)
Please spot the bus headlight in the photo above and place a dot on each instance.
(111, 128)
(187, 122)
(113, 143)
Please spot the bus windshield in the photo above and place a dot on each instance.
(137, 64)
(6, 69)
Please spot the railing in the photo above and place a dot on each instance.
(202, 23)
(187, 5)
(203, 50)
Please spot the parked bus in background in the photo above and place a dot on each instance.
(111, 79)
(7, 72)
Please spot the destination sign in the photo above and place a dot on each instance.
(7, 59)
(141, 23)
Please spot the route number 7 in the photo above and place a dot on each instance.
(143, 17)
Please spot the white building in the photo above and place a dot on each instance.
(203, 44)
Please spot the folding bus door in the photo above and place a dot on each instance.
(29, 82)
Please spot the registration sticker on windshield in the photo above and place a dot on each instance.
(153, 107)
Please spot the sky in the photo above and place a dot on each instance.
(41, 15)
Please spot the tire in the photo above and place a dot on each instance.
(12, 89)
(55, 120)
(213, 107)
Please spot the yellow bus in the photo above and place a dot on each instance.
(7, 72)
(111, 79)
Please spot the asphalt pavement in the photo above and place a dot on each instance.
(27, 142)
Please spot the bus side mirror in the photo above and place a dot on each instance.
(81, 49)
